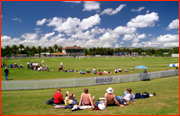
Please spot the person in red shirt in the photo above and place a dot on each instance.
(99, 72)
(58, 97)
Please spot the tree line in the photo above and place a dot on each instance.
(30, 51)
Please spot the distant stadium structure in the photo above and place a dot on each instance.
(175, 55)
(74, 51)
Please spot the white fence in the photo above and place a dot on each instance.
(54, 83)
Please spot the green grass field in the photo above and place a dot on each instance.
(33, 102)
(100, 63)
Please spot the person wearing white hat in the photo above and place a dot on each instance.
(110, 99)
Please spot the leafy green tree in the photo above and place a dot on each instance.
(2, 52)
(60, 49)
(39, 49)
(86, 51)
(14, 49)
(7, 50)
(45, 50)
(50, 50)
(21, 46)
(33, 50)
(90, 50)
(27, 49)
(55, 47)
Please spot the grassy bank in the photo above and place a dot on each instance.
(33, 102)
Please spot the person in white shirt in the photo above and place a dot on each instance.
(94, 71)
(116, 70)
(119, 69)
(129, 96)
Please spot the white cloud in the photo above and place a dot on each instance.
(46, 36)
(17, 19)
(149, 34)
(174, 24)
(161, 41)
(29, 36)
(68, 25)
(117, 46)
(91, 5)
(110, 11)
(41, 22)
(134, 37)
(109, 37)
(6, 40)
(97, 30)
(142, 36)
(168, 38)
(138, 10)
(71, 25)
(147, 11)
(90, 22)
(136, 45)
(124, 30)
(141, 21)
(77, 2)
(81, 35)
(38, 30)
(1, 16)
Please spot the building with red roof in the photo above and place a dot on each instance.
(74, 51)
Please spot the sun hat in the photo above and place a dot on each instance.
(110, 90)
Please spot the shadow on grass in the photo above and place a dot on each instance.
(146, 80)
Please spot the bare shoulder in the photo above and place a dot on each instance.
(113, 95)
(82, 94)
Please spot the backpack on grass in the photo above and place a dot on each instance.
(145, 94)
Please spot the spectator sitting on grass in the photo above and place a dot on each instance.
(119, 69)
(94, 71)
(86, 99)
(145, 71)
(126, 71)
(69, 99)
(75, 71)
(128, 96)
(88, 71)
(58, 97)
(110, 99)
(60, 68)
(99, 72)
(69, 70)
(47, 68)
(116, 70)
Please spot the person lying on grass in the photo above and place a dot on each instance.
(81, 72)
(106, 72)
(86, 99)
(128, 96)
(110, 99)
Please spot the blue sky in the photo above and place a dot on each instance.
(90, 23)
